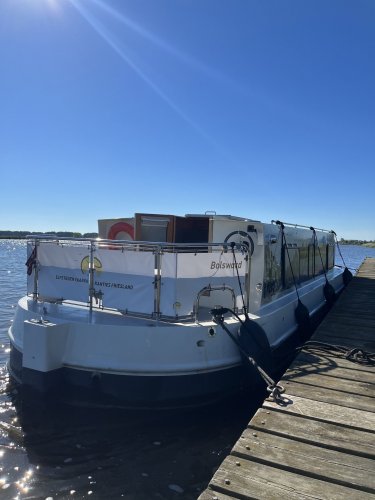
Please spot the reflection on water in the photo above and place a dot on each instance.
(50, 450)
(53, 449)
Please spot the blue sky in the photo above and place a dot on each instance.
(257, 108)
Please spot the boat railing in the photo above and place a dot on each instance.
(151, 279)
(208, 290)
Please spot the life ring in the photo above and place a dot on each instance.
(120, 227)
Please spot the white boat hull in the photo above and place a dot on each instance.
(142, 362)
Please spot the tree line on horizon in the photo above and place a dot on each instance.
(370, 243)
(6, 234)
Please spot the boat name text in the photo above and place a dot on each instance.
(226, 265)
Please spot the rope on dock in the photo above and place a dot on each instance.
(355, 354)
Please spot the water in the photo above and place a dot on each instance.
(66, 452)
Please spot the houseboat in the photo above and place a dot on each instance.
(132, 316)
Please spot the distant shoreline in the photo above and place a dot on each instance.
(22, 235)
(359, 243)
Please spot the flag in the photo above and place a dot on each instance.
(31, 261)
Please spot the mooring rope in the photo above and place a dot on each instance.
(238, 278)
(338, 247)
(275, 391)
(355, 354)
(328, 290)
(301, 312)
(347, 275)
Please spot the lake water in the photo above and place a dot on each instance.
(60, 451)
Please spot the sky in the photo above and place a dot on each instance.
(257, 108)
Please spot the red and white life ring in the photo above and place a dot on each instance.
(119, 227)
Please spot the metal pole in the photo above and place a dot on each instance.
(91, 275)
(247, 281)
(157, 281)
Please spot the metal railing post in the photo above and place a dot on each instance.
(91, 275)
(157, 281)
(247, 281)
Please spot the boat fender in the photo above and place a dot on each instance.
(253, 340)
(119, 227)
(302, 315)
(329, 293)
(347, 276)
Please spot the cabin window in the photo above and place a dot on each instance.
(291, 263)
(321, 260)
(154, 229)
(311, 260)
(272, 271)
(192, 230)
(330, 256)
(304, 263)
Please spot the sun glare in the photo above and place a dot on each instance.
(53, 5)
(50, 5)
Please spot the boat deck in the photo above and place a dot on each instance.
(321, 442)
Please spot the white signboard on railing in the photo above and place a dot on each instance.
(125, 279)
(184, 275)
(63, 271)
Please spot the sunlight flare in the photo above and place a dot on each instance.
(109, 39)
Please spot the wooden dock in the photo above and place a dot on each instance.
(321, 443)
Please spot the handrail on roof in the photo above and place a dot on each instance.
(278, 222)
(135, 243)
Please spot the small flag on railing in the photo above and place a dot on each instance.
(30, 263)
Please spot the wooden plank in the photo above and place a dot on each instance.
(367, 278)
(349, 330)
(327, 395)
(347, 326)
(344, 323)
(340, 373)
(322, 463)
(335, 414)
(339, 312)
(334, 436)
(355, 292)
(213, 495)
(365, 327)
(317, 359)
(342, 314)
(357, 300)
(368, 346)
(253, 480)
(326, 362)
(358, 338)
(361, 302)
(334, 383)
